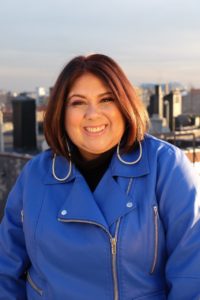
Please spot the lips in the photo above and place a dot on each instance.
(95, 130)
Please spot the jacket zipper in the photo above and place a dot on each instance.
(155, 209)
(114, 260)
(33, 285)
(113, 243)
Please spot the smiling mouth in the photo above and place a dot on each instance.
(95, 129)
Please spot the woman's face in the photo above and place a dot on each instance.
(93, 120)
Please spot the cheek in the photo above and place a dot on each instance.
(119, 121)
(121, 128)
(69, 122)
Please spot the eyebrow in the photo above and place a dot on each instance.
(82, 96)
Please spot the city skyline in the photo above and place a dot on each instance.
(153, 41)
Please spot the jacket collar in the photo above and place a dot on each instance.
(106, 205)
(139, 169)
(117, 168)
(109, 201)
(61, 170)
(80, 205)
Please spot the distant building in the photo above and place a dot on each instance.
(191, 102)
(172, 107)
(5, 97)
(24, 123)
(155, 109)
(41, 91)
(190, 121)
(156, 102)
(163, 108)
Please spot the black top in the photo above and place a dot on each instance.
(94, 169)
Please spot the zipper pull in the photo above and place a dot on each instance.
(22, 216)
(114, 246)
(155, 208)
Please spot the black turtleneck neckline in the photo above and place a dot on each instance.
(92, 170)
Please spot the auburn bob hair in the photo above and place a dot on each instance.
(106, 69)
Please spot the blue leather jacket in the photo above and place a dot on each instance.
(136, 237)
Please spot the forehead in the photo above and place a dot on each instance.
(87, 83)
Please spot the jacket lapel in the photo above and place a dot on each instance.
(111, 195)
(113, 201)
(110, 200)
(80, 205)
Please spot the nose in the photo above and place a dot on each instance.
(92, 112)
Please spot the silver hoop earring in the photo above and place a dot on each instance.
(129, 162)
(70, 167)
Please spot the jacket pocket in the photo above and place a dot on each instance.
(34, 286)
(156, 239)
(160, 295)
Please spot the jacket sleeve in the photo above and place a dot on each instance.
(13, 256)
(179, 202)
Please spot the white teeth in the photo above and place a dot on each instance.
(95, 129)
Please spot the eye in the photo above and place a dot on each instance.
(76, 102)
(107, 99)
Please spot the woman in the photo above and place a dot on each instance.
(109, 212)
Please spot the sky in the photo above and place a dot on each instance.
(154, 41)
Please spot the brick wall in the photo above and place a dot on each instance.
(10, 167)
